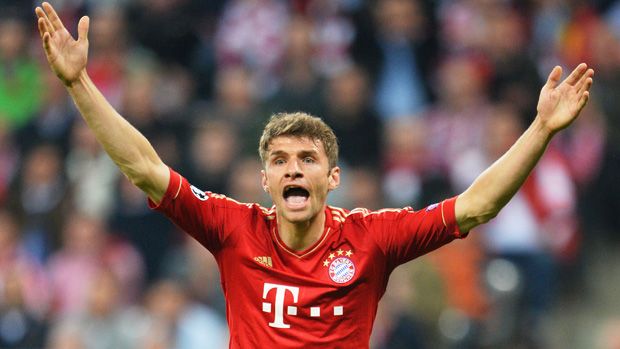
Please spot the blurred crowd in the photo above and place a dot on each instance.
(423, 95)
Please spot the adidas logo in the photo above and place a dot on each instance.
(264, 260)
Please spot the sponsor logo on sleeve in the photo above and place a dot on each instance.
(201, 195)
(431, 207)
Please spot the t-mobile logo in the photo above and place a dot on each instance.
(278, 320)
(281, 290)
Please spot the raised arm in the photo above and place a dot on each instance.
(558, 105)
(129, 149)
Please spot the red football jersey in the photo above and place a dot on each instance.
(323, 297)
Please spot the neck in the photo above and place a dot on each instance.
(298, 236)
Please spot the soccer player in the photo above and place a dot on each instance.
(303, 274)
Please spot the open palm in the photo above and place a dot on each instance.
(560, 103)
(67, 57)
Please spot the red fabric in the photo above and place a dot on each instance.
(280, 297)
(554, 220)
(537, 205)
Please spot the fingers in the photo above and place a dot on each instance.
(49, 49)
(585, 83)
(53, 16)
(43, 22)
(83, 26)
(584, 99)
(41, 26)
(554, 77)
(577, 74)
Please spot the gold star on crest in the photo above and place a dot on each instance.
(349, 253)
(332, 256)
(340, 252)
(325, 263)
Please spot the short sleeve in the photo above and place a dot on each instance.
(206, 216)
(406, 234)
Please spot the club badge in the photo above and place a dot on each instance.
(341, 270)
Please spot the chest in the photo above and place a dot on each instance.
(333, 279)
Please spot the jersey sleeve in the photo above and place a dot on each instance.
(206, 216)
(405, 234)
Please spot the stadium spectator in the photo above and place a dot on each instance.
(88, 249)
(20, 77)
(453, 122)
(351, 114)
(21, 328)
(9, 160)
(213, 150)
(249, 34)
(301, 85)
(27, 285)
(52, 122)
(101, 323)
(405, 161)
(150, 234)
(91, 174)
(398, 52)
(40, 197)
(190, 325)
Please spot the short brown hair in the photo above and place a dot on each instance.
(299, 124)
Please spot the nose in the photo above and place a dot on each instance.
(293, 170)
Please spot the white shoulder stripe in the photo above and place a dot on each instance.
(365, 212)
(179, 188)
(443, 218)
(338, 209)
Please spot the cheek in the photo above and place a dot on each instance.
(322, 190)
(271, 183)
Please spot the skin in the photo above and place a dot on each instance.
(300, 162)
(127, 147)
(560, 103)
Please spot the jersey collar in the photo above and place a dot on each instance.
(330, 225)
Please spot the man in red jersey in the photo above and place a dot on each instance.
(303, 274)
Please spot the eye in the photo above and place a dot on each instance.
(278, 161)
(308, 160)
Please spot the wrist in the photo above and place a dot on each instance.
(81, 79)
(541, 128)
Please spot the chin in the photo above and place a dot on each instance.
(297, 216)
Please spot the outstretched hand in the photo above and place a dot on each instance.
(67, 57)
(560, 103)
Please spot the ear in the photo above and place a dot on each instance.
(334, 178)
(263, 181)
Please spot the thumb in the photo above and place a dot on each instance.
(554, 77)
(83, 28)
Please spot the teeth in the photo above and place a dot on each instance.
(297, 200)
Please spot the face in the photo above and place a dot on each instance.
(298, 178)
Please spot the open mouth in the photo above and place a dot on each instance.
(295, 195)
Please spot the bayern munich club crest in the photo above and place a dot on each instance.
(341, 270)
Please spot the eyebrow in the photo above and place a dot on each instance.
(305, 153)
(302, 153)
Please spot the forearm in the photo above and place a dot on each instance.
(498, 184)
(127, 147)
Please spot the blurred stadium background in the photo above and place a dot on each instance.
(423, 95)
